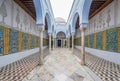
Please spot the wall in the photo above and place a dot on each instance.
(18, 30)
(12, 41)
(103, 30)
(13, 16)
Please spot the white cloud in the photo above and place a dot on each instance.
(61, 8)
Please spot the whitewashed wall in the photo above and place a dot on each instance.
(102, 21)
(107, 18)
(15, 17)
(77, 33)
(118, 13)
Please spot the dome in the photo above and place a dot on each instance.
(59, 20)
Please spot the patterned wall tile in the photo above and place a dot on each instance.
(108, 40)
(86, 41)
(112, 40)
(24, 41)
(1, 40)
(99, 40)
(79, 41)
(13, 41)
(37, 41)
(32, 42)
(92, 41)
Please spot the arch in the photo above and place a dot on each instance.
(53, 28)
(61, 35)
(69, 30)
(39, 13)
(47, 17)
(84, 14)
(74, 20)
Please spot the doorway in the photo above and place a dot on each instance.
(59, 43)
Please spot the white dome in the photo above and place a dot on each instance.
(59, 20)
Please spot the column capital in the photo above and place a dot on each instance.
(49, 34)
(72, 33)
(41, 29)
(83, 25)
(83, 28)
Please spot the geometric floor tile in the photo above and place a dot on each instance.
(104, 69)
(16, 71)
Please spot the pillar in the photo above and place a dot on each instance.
(68, 43)
(72, 42)
(61, 43)
(49, 43)
(53, 43)
(83, 46)
(41, 47)
(56, 43)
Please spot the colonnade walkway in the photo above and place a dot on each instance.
(60, 65)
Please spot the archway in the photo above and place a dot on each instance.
(48, 21)
(61, 39)
(75, 19)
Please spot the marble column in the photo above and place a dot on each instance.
(72, 42)
(83, 46)
(61, 43)
(49, 43)
(41, 47)
(56, 43)
(68, 43)
(53, 43)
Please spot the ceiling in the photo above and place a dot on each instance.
(28, 6)
(97, 6)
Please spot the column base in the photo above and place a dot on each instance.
(41, 64)
(82, 63)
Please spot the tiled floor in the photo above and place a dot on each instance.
(106, 70)
(60, 65)
(18, 70)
